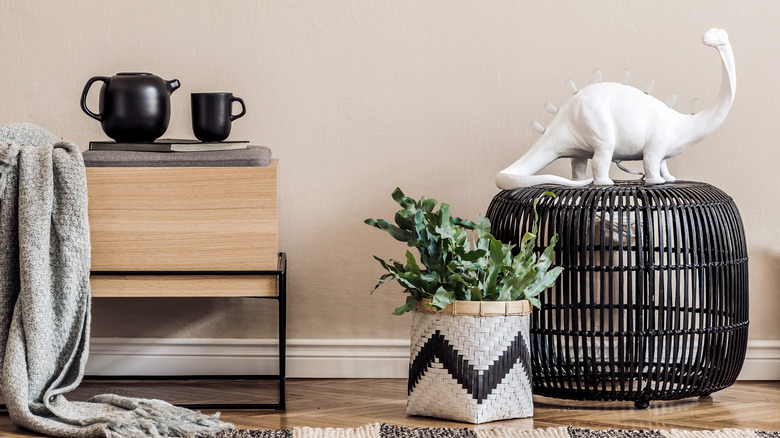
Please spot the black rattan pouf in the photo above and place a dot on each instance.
(653, 300)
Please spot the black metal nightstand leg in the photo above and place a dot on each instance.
(281, 274)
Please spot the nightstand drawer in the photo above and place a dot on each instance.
(187, 286)
(183, 219)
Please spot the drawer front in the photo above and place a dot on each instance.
(136, 286)
(183, 219)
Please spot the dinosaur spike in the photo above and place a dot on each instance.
(536, 126)
(625, 76)
(598, 76)
(695, 105)
(649, 86)
(550, 108)
(671, 100)
(571, 86)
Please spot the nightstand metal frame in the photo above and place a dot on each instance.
(281, 297)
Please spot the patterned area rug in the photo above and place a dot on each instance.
(378, 430)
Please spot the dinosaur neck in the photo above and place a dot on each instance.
(709, 119)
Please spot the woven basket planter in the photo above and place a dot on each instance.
(471, 361)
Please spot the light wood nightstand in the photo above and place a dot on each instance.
(199, 224)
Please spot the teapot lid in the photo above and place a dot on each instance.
(133, 74)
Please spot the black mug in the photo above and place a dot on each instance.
(212, 114)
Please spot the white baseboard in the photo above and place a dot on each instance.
(337, 358)
(762, 361)
(323, 358)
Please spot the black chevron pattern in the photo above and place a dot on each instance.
(478, 384)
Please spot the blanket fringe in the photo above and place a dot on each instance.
(140, 418)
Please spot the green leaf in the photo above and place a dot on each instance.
(382, 280)
(413, 266)
(527, 246)
(494, 265)
(407, 284)
(385, 264)
(464, 223)
(403, 218)
(546, 259)
(397, 233)
(507, 250)
(419, 223)
(517, 285)
(483, 225)
(442, 298)
(504, 292)
(455, 279)
(446, 217)
(476, 294)
(428, 204)
(447, 232)
(536, 214)
(433, 223)
(536, 217)
(399, 197)
(411, 302)
(542, 282)
(472, 256)
(431, 277)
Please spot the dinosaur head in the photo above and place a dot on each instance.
(715, 38)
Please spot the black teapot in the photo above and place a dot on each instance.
(134, 107)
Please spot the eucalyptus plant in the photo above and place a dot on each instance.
(460, 259)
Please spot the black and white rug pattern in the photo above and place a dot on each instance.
(381, 430)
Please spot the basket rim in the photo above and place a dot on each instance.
(477, 308)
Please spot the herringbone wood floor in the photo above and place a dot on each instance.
(354, 402)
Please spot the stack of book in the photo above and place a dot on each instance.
(168, 145)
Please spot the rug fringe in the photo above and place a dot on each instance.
(722, 433)
(382, 430)
(367, 431)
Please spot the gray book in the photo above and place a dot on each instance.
(168, 145)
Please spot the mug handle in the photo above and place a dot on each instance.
(97, 117)
(243, 107)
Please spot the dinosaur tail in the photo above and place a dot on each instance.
(508, 181)
(522, 173)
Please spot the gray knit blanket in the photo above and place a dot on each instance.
(45, 301)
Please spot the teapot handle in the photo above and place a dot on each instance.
(97, 117)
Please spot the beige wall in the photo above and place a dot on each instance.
(358, 97)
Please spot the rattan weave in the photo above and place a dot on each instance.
(653, 300)
(477, 308)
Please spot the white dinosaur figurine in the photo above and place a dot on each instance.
(609, 122)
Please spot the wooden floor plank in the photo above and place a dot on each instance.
(355, 402)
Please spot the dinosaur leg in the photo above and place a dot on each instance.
(602, 158)
(652, 162)
(578, 168)
(665, 173)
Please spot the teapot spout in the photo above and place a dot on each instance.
(172, 85)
